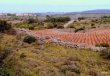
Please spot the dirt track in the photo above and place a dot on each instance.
(66, 25)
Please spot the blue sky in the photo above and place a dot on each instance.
(22, 6)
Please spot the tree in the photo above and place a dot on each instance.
(48, 17)
(57, 19)
(4, 26)
(32, 20)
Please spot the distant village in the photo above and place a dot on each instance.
(16, 16)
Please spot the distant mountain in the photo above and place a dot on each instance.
(97, 11)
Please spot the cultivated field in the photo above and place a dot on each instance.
(88, 38)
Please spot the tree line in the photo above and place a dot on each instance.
(57, 19)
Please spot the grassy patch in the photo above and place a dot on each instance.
(51, 60)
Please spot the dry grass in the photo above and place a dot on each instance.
(51, 60)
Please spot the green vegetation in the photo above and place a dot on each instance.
(79, 29)
(81, 18)
(78, 25)
(31, 21)
(4, 26)
(71, 26)
(22, 55)
(91, 23)
(102, 45)
(41, 25)
(29, 39)
(38, 59)
(105, 54)
(71, 69)
(50, 22)
(106, 17)
(31, 57)
(29, 26)
(50, 25)
(57, 19)
(4, 53)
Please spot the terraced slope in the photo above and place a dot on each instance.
(89, 38)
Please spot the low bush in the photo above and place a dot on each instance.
(71, 26)
(58, 19)
(93, 72)
(31, 28)
(4, 26)
(29, 39)
(71, 69)
(28, 26)
(22, 55)
(102, 45)
(79, 29)
(31, 20)
(81, 18)
(93, 25)
(105, 54)
(49, 25)
(5, 70)
(4, 54)
(59, 27)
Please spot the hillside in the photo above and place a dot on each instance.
(43, 59)
(97, 11)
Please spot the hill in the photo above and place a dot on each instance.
(49, 60)
(97, 11)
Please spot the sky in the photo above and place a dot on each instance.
(35, 6)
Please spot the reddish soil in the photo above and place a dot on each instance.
(90, 38)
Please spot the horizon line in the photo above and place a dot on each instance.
(55, 11)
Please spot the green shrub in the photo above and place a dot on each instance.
(79, 29)
(29, 39)
(58, 19)
(93, 25)
(71, 69)
(28, 26)
(31, 20)
(76, 70)
(60, 27)
(102, 45)
(5, 52)
(22, 55)
(105, 54)
(4, 26)
(5, 70)
(71, 26)
(49, 25)
(31, 28)
(81, 18)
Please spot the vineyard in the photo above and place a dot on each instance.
(88, 38)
